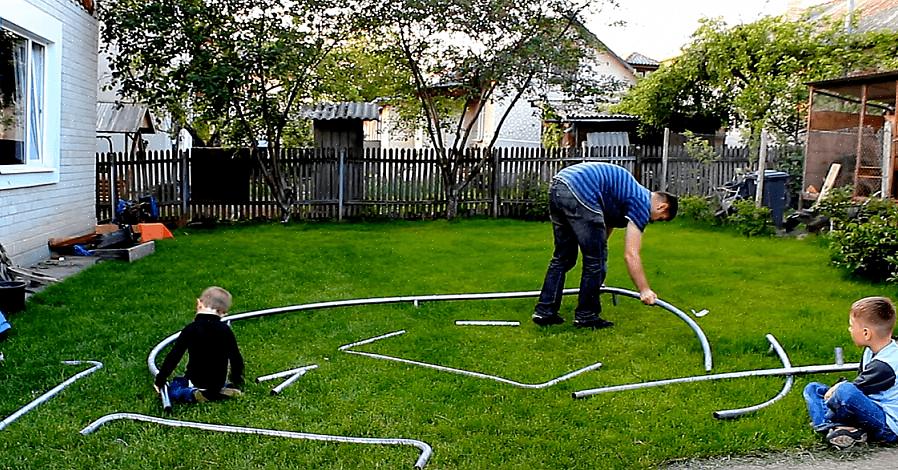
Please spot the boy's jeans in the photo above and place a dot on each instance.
(180, 391)
(574, 226)
(848, 406)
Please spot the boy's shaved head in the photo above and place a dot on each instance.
(878, 312)
(217, 299)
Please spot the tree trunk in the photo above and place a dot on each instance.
(451, 202)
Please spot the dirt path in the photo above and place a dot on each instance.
(863, 458)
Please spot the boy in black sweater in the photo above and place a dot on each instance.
(211, 347)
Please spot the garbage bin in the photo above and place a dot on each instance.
(12, 296)
(775, 196)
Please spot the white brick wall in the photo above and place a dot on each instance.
(30, 216)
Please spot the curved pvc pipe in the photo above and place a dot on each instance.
(346, 349)
(49, 394)
(151, 360)
(727, 414)
(706, 348)
(728, 375)
(425, 449)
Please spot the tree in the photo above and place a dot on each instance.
(753, 74)
(461, 55)
(244, 65)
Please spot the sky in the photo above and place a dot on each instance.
(658, 28)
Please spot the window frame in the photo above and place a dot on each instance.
(38, 27)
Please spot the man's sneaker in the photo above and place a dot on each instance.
(230, 392)
(845, 437)
(594, 323)
(546, 320)
(199, 397)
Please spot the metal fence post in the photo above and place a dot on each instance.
(340, 185)
(665, 155)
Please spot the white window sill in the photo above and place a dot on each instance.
(23, 169)
(24, 176)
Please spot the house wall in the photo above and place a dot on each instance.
(30, 216)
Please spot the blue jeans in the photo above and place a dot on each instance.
(848, 406)
(574, 226)
(180, 391)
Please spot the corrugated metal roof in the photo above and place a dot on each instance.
(118, 118)
(580, 111)
(344, 110)
(639, 59)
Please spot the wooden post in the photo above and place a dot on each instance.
(494, 186)
(886, 159)
(665, 155)
(184, 158)
(762, 169)
(340, 185)
(860, 139)
(804, 162)
(112, 181)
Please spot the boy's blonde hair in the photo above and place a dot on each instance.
(878, 312)
(217, 299)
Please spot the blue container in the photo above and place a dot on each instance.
(775, 196)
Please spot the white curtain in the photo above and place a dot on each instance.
(36, 110)
(20, 67)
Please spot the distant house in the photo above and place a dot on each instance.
(871, 15)
(48, 96)
(525, 122)
(643, 65)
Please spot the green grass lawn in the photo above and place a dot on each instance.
(116, 312)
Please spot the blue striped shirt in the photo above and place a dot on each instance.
(611, 190)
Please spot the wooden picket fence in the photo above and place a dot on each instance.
(223, 184)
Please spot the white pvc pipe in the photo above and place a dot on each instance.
(706, 348)
(478, 374)
(727, 414)
(486, 323)
(371, 340)
(293, 378)
(728, 375)
(285, 373)
(46, 396)
(426, 450)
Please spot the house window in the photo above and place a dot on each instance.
(30, 95)
(22, 77)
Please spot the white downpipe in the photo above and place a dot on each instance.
(46, 396)
(425, 449)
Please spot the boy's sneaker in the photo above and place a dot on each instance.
(230, 392)
(845, 437)
(546, 320)
(594, 323)
(199, 397)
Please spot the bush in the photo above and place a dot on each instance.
(697, 208)
(751, 221)
(536, 191)
(864, 238)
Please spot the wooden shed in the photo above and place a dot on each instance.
(851, 121)
(341, 125)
